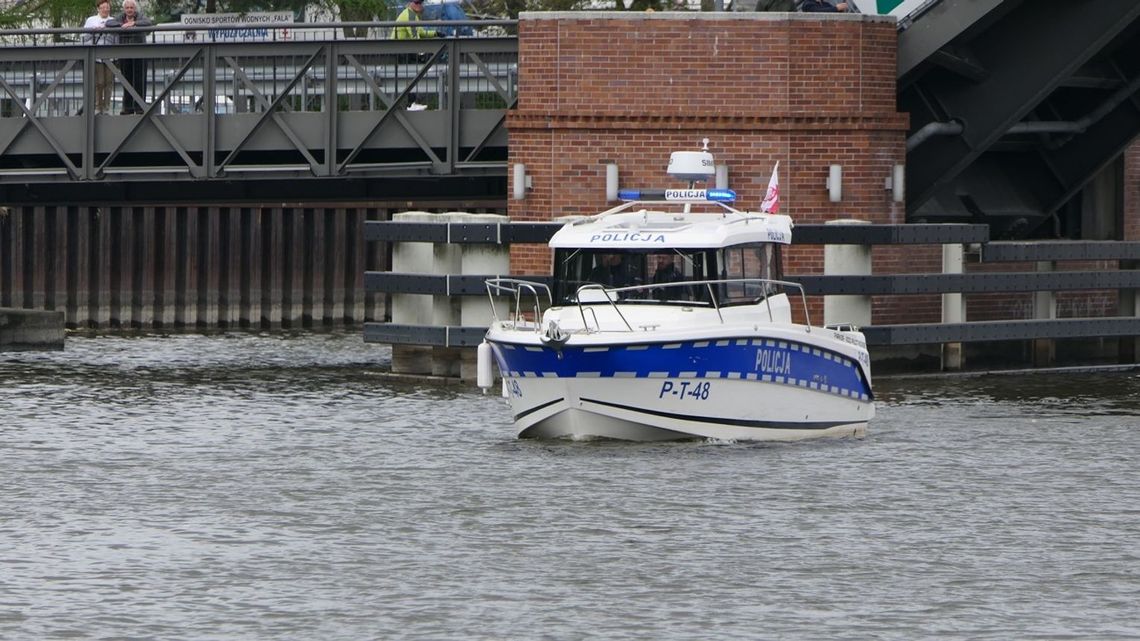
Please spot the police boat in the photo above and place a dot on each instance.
(667, 318)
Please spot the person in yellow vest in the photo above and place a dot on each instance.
(412, 13)
(409, 31)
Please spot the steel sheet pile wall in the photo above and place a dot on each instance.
(191, 267)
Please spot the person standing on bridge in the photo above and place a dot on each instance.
(408, 30)
(776, 5)
(104, 77)
(823, 6)
(134, 69)
(411, 14)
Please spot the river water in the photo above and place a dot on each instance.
(281, 487)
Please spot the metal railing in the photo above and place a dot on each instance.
(715, 288)
(317, 103)
(519, 291)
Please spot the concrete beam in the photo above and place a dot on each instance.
(23, 330)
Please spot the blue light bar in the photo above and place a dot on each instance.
(680, 195)
(721, 195)
(633, 194)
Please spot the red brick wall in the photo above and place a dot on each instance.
(600, 87)
(1132, 191)
(808, 91)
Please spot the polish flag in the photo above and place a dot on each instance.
(771, 204)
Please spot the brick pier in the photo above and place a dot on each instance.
(629, 88)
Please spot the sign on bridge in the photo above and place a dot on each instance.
(240, 27)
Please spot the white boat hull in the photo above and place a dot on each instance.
(598, 411)
(727, 388)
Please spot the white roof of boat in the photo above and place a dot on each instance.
(649, 229)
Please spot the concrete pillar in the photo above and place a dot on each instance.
(847, 260)
(1128, 304)
(953, 305)
(1044, 308)
(412, 309)
(444, 310)
(475, 311)
(446, 259)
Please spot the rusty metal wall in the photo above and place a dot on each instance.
(162, 268)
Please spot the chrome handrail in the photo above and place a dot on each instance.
(516, 288)
(612, 296)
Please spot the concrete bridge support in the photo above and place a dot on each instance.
(847, 260)
(425, 310)
(30, 330)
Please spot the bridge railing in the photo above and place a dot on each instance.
(319, 104)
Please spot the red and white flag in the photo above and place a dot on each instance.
(771, 204)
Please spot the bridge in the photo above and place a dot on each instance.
(306, 113)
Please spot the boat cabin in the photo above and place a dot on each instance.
(688, 276)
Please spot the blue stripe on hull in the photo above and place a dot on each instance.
(763, 359)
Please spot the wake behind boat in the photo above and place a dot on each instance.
(668, 319)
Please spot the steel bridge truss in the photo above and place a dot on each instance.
(270, 109)
(1015, 106)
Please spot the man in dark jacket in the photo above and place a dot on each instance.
(776, 5)
(822, 6)
(134, 69)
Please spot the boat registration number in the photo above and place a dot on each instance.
(686, 389)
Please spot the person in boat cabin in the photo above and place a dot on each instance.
(665, 271)
(608, 271)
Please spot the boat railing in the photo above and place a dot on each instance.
(521, 292)
(630, 294)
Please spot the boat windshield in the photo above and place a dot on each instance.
(664, 272)
(748, 270)
(574, 268)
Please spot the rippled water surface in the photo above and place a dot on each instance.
(258, 487)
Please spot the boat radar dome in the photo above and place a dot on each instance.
(692, 165)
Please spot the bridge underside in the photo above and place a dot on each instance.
(1019, 113)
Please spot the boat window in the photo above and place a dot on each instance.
(577, 267)
(758, 263)
(667, 269)
(627, 268)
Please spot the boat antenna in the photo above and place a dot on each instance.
(704, 148)
(693, 179)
